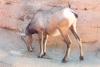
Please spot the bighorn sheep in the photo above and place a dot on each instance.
(53, 22)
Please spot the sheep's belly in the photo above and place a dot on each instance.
(63, 26)
(56, 33)
(64, 30)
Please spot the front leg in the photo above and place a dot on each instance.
(41, 45)
(28, 41)
(45, 44)
(68, 43)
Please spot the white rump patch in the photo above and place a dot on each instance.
(67, 12)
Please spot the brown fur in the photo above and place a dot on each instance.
(47, 23)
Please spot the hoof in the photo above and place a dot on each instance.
(30, 49)
(44, 54)
(64, 61)
(41, 56)
(81, 58)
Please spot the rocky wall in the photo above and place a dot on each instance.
(14, 14)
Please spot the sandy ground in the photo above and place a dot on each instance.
(13, 53)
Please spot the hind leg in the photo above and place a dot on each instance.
(73, 30)
(68, 43)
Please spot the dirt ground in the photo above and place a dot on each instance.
(13, 53)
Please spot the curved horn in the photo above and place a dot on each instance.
(69, 5)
